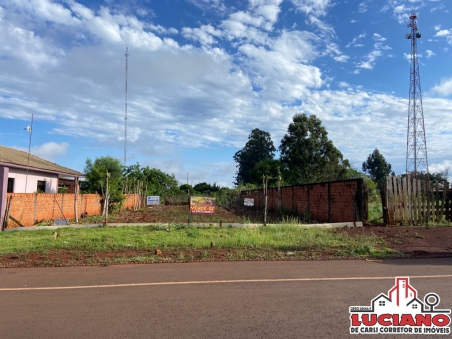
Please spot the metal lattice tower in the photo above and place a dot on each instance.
(125, 113)
(416, 151)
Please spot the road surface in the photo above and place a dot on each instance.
(299, 299)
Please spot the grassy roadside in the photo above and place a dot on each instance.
(180, 243)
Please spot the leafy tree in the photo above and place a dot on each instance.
(96, 178)
(153, 180)
(160, 183)
(308, 155)
(377, 168)
(185, 187)
(259, 147)
(204, 187)
(271, 168)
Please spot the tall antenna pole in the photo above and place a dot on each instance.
(125, 114)
(416, 150)
(30, 131)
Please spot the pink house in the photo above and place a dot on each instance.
(21, 172)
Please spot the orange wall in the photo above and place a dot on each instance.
(337, 201)
(30, 208)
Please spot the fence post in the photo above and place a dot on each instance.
(329, 204)
(35, 202)
(75, 199)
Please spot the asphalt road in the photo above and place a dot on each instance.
(302, 299)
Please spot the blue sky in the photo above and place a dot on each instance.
(204, 73)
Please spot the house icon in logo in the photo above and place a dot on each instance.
(402, 292)
(403, 296)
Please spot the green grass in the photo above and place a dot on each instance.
(179, 238)
(375, 211)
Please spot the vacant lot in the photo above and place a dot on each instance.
(179, 243)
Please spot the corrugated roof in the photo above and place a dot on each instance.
(20, 158)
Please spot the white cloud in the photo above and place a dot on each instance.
(50, 150)
(354, 42)
(443, 32)
(325, 29)
(444, 167)
(444, 88)
(362, 7)
(314, 7)
(47, 11)
(429, 53)
(209, 5)
(22, 44)
(205, 34)
(341, 58)
(371, 57)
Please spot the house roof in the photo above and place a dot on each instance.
(10, 157)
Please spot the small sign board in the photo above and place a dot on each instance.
(202, 205)
(60, 221)
(152, 200)
(248, 202)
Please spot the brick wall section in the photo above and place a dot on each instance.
(29, 208)
(318, 202)
(344, 206)
(337, 201)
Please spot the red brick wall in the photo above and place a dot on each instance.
(29, 208)
(337, 201)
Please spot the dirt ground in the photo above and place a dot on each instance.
(414, 241)
(171, 214)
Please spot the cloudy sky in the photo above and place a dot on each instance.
(203, 73)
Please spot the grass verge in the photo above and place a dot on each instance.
(109, 245)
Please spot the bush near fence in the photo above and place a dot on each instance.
(31, 208)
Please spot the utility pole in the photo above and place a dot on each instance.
(107, 200)
(30, 132)
(416, 153)
(125, 113)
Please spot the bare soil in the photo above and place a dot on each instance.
(409, 242)
(172, 214)
(413, 241)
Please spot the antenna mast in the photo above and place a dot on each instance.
(416, 151)
(125, 114)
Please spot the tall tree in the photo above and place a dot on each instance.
(156, 181)
(258, 148)
(307, 153)
(377, 168)
(96, 177)
(271, 168)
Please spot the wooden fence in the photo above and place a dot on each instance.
(413, 201)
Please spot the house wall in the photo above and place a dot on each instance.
(21, 178)
(337, 201)
(3, 186)
(29, 209)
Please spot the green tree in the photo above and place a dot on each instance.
(96, 178)
(185, 187)
(308, 155)
(259, 147)
(160, 183)
(153, 180)
(204, 187)
(271, 168)
(377, 168)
